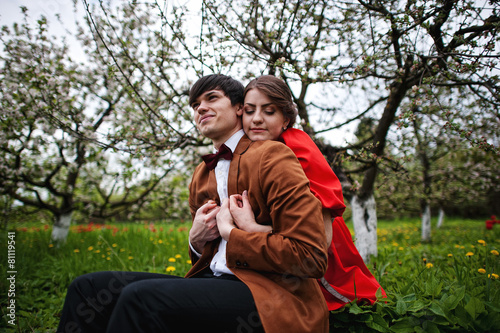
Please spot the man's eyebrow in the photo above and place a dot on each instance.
(205, 95)
(212, 92)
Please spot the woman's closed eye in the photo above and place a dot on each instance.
(248, 110)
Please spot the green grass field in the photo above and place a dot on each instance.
(450, 284)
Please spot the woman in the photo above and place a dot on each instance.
(269, 114)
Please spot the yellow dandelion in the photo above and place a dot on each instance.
(130, 258)
(401, 248)
(395, 244)
(108, 258)
(103, 256)
(457, 246)
(450, 255)
(482, 242)
(189, 261)
(122, 250)
(429, 265)
(178, 256)
(170, 268)
(160, 241)
(97, 251)
(493, 276)
(481, 270)
(90, 248)
(52, 245)
(494, 252)
(76, 250)
(171, 259)
(114, 245)
(469, 254)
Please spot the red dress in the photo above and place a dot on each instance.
(347, 277)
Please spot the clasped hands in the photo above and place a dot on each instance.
(212, 221)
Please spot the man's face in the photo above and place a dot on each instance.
(215, 117)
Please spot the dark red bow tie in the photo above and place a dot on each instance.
(211, 160)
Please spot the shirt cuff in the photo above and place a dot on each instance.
(193, 250)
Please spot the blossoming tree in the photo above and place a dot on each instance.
(74, 135)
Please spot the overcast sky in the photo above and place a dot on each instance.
(11, 13)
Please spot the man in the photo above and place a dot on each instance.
(240, 281)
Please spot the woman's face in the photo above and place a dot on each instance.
(262, 120)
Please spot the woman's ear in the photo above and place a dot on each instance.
(285, 124)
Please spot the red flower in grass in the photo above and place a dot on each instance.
(491, 222)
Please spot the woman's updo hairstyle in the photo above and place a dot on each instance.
(278, 92)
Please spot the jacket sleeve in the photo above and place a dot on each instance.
(297, 245)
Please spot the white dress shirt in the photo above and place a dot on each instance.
(218, 264)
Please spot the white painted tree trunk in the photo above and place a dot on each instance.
(426, 223)
(61, 228)
(364, 217)
(440, 218)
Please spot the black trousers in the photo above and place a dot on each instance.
(148, 302)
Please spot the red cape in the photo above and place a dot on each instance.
(347, 277)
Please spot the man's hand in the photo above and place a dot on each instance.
(243, 215)
(225, 221)
(204, 227)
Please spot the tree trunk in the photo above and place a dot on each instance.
(61, 227)
(364, 217)
(426, 223)
(440, 217)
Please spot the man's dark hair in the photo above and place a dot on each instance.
(232, 88)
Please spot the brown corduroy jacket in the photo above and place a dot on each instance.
(280, 268)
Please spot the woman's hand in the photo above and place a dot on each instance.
(204, 227)
(243, 215)
(225, 222)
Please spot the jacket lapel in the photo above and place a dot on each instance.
(234, 168)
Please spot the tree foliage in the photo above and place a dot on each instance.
(75, 135)
(386, 49)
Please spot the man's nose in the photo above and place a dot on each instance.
(202, 107)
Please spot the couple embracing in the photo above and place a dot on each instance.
(269, 247)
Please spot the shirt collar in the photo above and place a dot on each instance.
(233, 141)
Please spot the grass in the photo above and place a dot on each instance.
(450, 284)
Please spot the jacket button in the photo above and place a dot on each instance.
(245, 264)
(238, 263)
